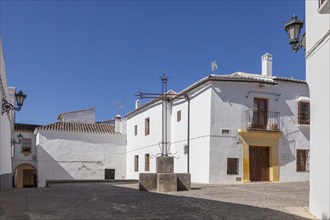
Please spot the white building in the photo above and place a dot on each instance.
(72, 149)
(25, 163)
(318, 78)
(6, 127)
(243, 127)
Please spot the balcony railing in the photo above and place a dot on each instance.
(263, 120)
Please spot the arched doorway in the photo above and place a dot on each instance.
(25, 175)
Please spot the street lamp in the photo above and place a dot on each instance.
(6, 106)
(293, 28)
(20, 138)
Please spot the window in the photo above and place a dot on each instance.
(185, 149)
(147, 126)
(232, 166)
(302, 160)
(147, 162)
(178, 116)
(225, 131)
(26, 145)
(260, 114)
(303, 113)
(135, 130)
(136, 163)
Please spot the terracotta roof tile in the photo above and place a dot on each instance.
(95, 128)
(25, 127)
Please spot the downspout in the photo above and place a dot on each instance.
(188, 132)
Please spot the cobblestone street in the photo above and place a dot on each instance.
(124, 201)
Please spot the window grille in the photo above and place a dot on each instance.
(136, 163)
(302, 160)
(303, 113)
(147, 162)
(147, 126)
(232, 166)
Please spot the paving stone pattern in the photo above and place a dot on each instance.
(125, 201)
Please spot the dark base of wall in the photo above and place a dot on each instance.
(6, 181)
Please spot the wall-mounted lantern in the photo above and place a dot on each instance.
(293, 28)
(6, 106)
(20, 138)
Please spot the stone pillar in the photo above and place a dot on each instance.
(165, 180)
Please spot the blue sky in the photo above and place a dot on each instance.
(72, 55)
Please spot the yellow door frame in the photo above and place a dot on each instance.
(260, 138)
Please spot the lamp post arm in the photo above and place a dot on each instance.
(300, 44)
(6, 107)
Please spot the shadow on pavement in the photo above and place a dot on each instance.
(106, 201)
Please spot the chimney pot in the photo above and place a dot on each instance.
(267, 65)
(137, 104)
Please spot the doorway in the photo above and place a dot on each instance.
(25, 176)
(259, 163)
(109, 174)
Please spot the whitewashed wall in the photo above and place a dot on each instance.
(295, 136)
(199, 149)
(177, 135)
(19, 157)
(141, 144)
(6, 128)
(213, 107)
(67, 155)
(229, 105)
(228, 108)
(318, 78)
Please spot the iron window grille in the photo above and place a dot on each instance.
(136, 163)
(232, 166)
(302, 160)
(303, 113)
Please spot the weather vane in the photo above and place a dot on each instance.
(214, 66)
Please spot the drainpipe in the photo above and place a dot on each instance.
(188, 131)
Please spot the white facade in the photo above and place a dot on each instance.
(6, 128)
(318, 78)
(218, 105)
(73, 149)
(25, 157)
(79, 156)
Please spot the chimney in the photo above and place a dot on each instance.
(137, 104)
(267, 65)
(118, 124)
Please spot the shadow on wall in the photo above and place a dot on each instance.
(75, 201)
(49, 168)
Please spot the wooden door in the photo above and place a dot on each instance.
(260, 113)
(259, 163)
(28, 178)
